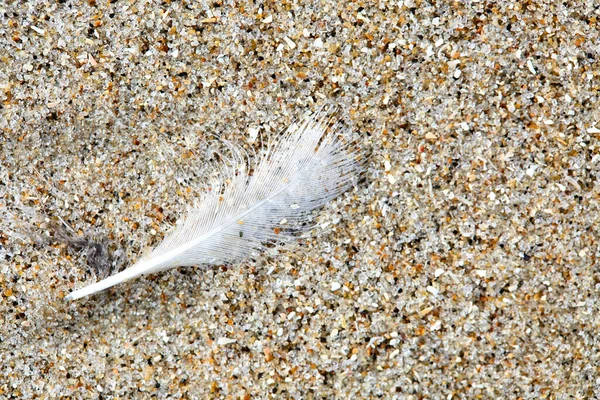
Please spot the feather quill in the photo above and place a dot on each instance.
(255, 204)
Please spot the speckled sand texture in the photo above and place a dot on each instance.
(465, 265)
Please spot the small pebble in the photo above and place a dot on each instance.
(289, 42)
(223, 341)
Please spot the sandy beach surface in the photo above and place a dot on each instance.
(464, 265)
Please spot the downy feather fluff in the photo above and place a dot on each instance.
(255, 204)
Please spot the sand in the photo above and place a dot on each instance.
(463, 265)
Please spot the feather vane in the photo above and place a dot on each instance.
(257, 204)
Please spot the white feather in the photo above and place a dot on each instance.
(246, 212)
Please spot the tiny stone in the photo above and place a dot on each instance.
(335, 286)
(433, 290)
(223, 341)
(252, 134)
(593, 130)
(38, 30)
(481, 273)
(426, 311)
(289, 42)
(531, 170)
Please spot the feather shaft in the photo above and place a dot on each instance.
(156, 264)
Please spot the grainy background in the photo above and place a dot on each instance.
(464, 266)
